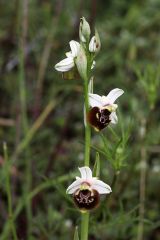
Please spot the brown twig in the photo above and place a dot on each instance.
(5, 122)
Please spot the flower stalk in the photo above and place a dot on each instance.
(84, 225)
(87, 126)
(85, 216)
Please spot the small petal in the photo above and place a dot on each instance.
(86, 173)
(113, 95)
(65, 65)
(90, 85)
(113, 118)
(101, 187)
(69, 54)
(95, 100)
(74, 186)
(93, 64)
(74, 47)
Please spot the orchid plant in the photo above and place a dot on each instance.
(99, 112)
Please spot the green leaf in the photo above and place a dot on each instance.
(76, 236)
(96, 169)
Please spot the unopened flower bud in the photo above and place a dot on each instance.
(84, 30)
(81, 63)
(95, 44)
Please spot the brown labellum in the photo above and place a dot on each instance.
(98, 118)
(86, 199)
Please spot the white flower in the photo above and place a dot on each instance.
(106, 102)
(86, 190)
(68, 63)
(86, 181)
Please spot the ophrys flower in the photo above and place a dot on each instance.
(103, 109)
(86, 190)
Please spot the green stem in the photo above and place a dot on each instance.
(87, 128)
(9, 195)
(85, 216)
(84, 225)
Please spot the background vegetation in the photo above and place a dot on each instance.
(41, 119)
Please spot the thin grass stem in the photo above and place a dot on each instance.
(9, 194)
(23, 29)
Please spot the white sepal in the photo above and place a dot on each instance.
(74, 186)
(86, 173)
(95, 100)
(113, 95)
(101, 187)
(74, 45)
(65, 65)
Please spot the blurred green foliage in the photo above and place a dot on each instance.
(129, 59)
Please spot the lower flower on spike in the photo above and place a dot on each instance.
(87, 189)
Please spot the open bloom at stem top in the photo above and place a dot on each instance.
(103, 109)
(68, 63)
(86, 189)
